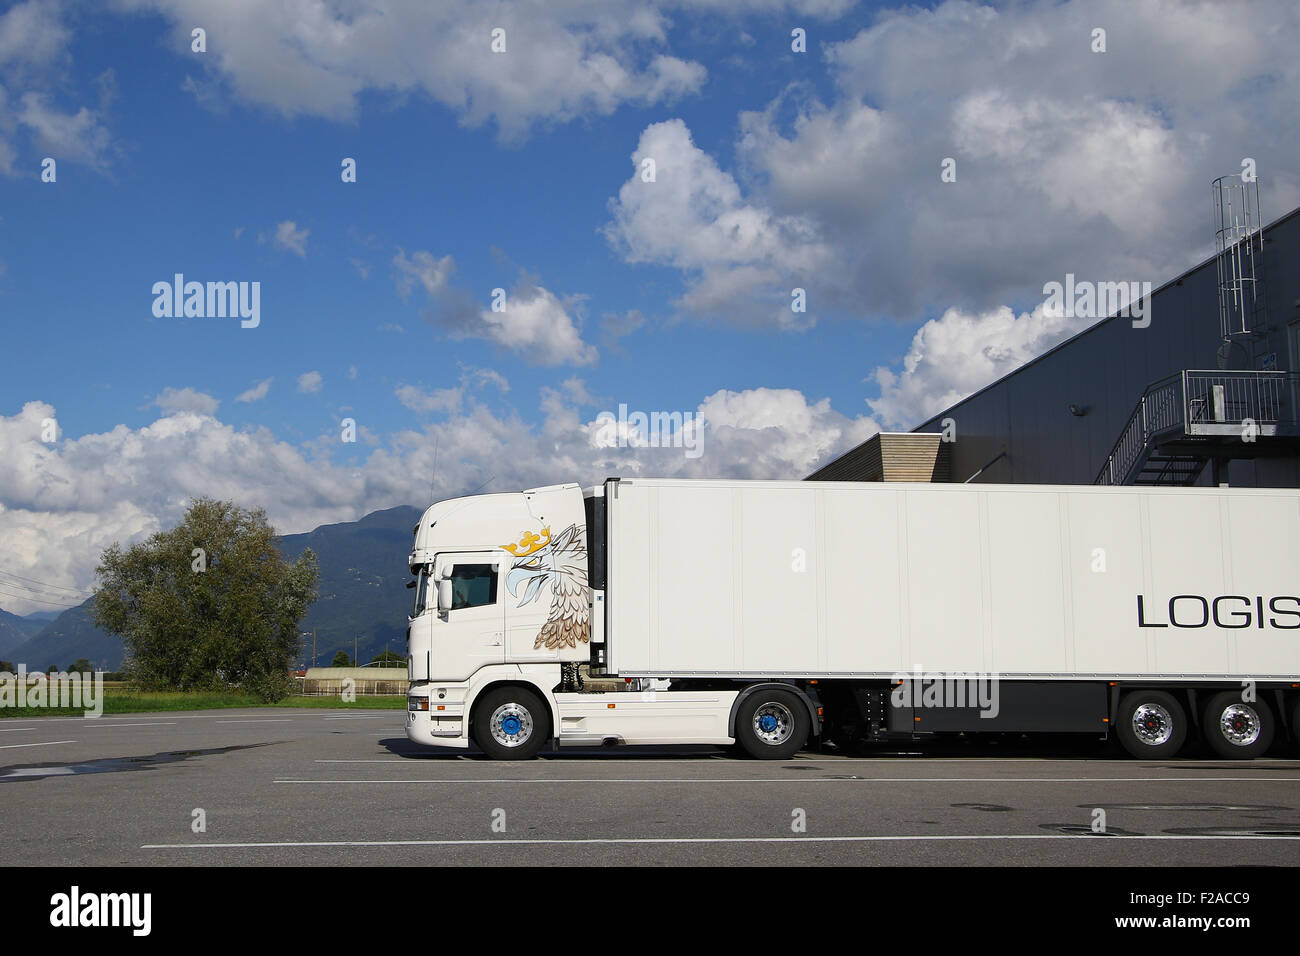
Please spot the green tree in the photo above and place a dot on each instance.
(8, 667)
(209, 604)
(341, 659)
(391, 658)
(82, 666)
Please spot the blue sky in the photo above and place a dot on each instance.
(776, 170)
(183, 179)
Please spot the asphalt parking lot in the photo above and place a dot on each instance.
(274, 787)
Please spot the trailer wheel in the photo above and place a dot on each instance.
(511, 723)
(1237, 729)
(772, 724)
(1151, 724)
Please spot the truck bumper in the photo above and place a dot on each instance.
(437, 717)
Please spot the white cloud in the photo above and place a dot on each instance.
(34, 62)
(78, 136)
(62, 504)
(959, 353)
(449, 399)
(438, 400)
(290, 238)
(562, 60)
(533, 322)
(32, 34)
(742, 259)
(257, 392)
(309, 382)
(421, 266)
(538, 326)
(1067, 160)
(479, 377)
(173, 400)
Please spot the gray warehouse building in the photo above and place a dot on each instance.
(1207, 393)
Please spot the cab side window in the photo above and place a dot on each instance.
(473, 585)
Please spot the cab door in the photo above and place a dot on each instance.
(471, 633)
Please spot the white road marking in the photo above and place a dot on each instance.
(160, 723)
(10, 730)
(261, 720)
(43, 743)
(679, 840)
(642, 780)
(359, 717)
(114, 718)
(38, 772)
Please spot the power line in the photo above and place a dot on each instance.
(55, 587)
(28, 597)
(23, 587)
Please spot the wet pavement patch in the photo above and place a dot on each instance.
(1182, 806)
(114, 764)
(1083, 829)
(1233, 831)
(987, 807)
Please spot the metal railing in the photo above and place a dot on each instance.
(1233, 397)
(1200, 402)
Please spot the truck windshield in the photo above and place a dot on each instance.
(422, 591)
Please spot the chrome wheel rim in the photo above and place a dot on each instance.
(1152, 724)
(511, 725)
(773, 723)
(1240, 725)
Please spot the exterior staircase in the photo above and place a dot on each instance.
(1194, 417)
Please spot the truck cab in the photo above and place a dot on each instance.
(500, 586)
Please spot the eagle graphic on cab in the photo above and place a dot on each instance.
(561, 563)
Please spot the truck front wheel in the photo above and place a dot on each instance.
(1237, 729)
(1151, 724)
(772, 725)
(511, 723)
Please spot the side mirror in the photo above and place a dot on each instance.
(444, 595)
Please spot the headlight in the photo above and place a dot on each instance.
(417, 703)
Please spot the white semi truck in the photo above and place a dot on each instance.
(768, 614)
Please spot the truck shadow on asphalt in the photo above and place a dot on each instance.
(1039, 747)
(40, 771)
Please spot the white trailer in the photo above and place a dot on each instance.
(769, 613)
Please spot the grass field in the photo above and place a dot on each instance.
(124, 700)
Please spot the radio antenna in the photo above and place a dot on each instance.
(433, 479)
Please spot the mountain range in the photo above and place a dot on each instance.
(16, 630)
(362, 595)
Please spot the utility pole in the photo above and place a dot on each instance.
(313, 647)
(355, 638)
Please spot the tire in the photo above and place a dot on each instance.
(511, 723)
(1236, 729)
(1151, 725)
(772, 724)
